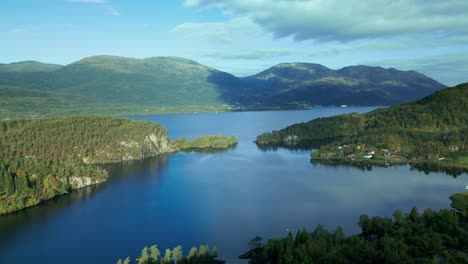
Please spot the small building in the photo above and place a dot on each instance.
(370, 152)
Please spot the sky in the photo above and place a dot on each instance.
(244, 37)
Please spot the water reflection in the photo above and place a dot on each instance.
(11, 223)
(311, 145)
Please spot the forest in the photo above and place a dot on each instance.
(415, 237)
(432, 128)
(40, 159)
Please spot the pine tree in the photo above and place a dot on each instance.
(127, 261)
(192, 253)
(154, 253)
(167, 256)
(177, 254)
(214, 251)
(143, 259)
(119, 261)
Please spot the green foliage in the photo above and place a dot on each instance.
(29, 66)
(93, 139)
(29, 181)
(434, 237)
(460, 202)
(40, 159)
(206, 142)
(432, 128)
(176, 256)
(144, 258)
(155, 253)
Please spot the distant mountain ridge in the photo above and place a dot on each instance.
(315, 84)
(120, 85)
(29, 66)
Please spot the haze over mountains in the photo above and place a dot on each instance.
(128, 85)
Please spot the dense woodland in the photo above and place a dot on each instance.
(428, 237)
(213, 142)
(40, 159)
(428, 129)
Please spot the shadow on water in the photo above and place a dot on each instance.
(136, 167)
(11, 223)
(209, 150)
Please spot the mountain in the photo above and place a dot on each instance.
(118, 86)
(314, 84)
(432, 128)
(29, 66)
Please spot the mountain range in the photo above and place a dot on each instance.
(119, 85)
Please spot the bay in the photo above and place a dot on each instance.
(221, 199)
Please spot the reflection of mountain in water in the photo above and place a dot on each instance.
(136, 167)
(421, 167)
(295, 145)
(434, 167)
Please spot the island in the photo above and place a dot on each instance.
(206, 143)
(433, 129)
(41, 159)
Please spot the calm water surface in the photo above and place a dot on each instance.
(220, 199)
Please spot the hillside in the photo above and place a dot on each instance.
(121, 86)
(315, 84)
(29, 66)
(432, 128)
(40, 159)
(44, 158)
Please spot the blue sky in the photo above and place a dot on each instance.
(244, 37)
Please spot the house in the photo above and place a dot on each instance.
(370, 152)
(367, 156)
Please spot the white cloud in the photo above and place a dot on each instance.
(450, 69)
(224, 32)
(336, 20)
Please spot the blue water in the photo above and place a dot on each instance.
(221, 199)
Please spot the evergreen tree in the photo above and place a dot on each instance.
(127, 261)
(167, 256)
(144, 258)
(154, 253)
(177, 254)
(214, 251)
(192, 253)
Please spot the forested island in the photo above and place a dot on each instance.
(432, 129)
(40, 159)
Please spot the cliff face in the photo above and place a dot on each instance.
(77, 182)
(132, 149)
